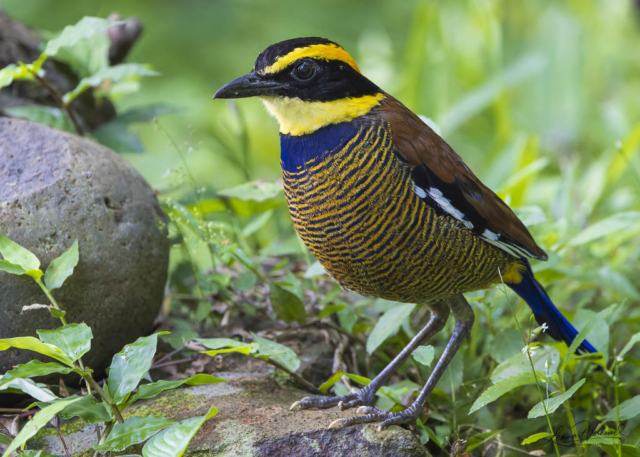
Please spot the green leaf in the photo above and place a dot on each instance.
(245, 281)
(329, 383)
(627, 347)
(62, 267)
(47, 115)
(87, 56)
(27, 386)
(497, 390)
(388, 324)
(17, 255)
(130, 365)
(40, 419)
(21, 71)
(424, 355)
(628, 410)
(114, 74)
(286, 305)
(73, 339)
(11, 268)
(133, 431)
(256, 223)
(359, 379)
(72, 34)
(32, 369)
(152, 389)
(612, 224)
(90, 409)
(224, 345)
(554, 403)
(276, 351)
(519, 363)
(257, 191)
(34, 344)
(328, 310)
(173, 442)
(582, 335)
(626, 450)
(535, 437)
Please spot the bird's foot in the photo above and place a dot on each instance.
(368, 414)
(365, 397)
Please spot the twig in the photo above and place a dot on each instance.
(56, 423)
(169, 355)
(171, 362)
(58, 98)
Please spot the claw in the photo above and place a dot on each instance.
(336, 423)
(341, 405)
(362, 410)
(295, 405)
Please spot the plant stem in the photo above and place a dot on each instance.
(533, 369)
(58, 98)
(53, 301)
(64, 445)
(104, 396)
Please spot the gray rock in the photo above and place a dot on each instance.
(55, 188)
(253, 420)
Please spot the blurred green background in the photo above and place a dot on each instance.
(540, 97)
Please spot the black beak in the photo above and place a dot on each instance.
(250, 85)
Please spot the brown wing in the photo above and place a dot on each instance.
(441, 174)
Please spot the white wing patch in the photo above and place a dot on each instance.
(490, 237)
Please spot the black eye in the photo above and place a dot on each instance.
(304, 70)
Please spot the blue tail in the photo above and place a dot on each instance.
(545, 311)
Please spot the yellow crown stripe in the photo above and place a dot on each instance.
(317, 51)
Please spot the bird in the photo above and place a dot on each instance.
(388, 208)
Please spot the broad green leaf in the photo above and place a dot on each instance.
(90, 409)
(73, 339)
(627, 347)
(626, 450)
(257, 191)
(245, 281)
(11, 268)
(17, 255)
(286, 305)
(130, 365)
(133, 431)
(114, 74)
(612, 224)
(61, 268)
(329, 383)
(27, 386)
(554, 403)
(4, 439)
(40, 419)
(535, 437)
(87, 56)
(388, 324)
(582, 335)
(32, 369)
(35, 345)
(276, 351)
(152, 389)
(225, 345)
(497, 390)
(72, 34)
(328, 310)
(173, 442)
(47, 115)
(256, 223)
(628, 410)
(519, 363)
(424, 355)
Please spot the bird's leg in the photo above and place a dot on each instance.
(366, 396)
(464, 321)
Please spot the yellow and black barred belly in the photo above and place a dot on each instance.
(353, 203)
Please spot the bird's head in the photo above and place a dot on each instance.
(306, 84)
